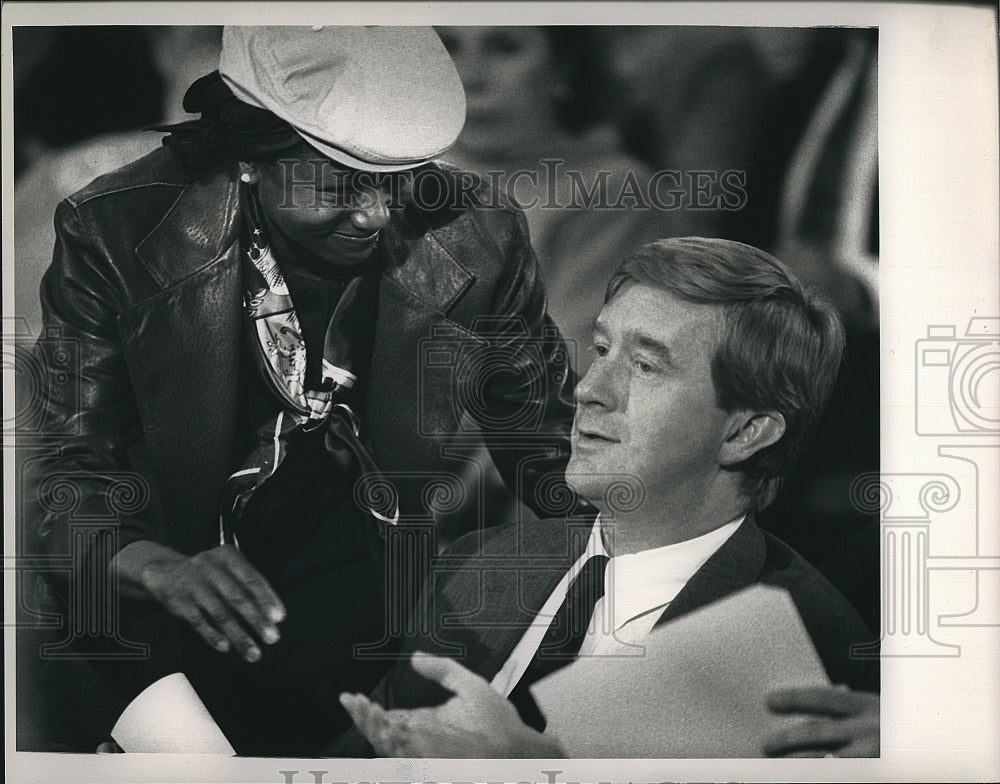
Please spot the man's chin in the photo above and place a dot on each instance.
(587, 481)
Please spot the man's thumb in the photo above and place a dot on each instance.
(448, 672)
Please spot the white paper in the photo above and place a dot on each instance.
(699, 690)
(169, 716)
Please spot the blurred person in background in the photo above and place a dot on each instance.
(540, 94)
(690, 99)
(56, 156)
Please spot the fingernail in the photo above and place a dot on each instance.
(253, 654)
(277, 614)
(271, 635)
(222, 646)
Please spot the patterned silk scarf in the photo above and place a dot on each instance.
(280, 354)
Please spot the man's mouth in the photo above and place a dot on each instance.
(587, 436)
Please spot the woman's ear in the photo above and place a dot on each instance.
(750, 432)
(248, 173)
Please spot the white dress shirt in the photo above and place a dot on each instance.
(638, 588)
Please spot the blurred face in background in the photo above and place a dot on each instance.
(511, 81)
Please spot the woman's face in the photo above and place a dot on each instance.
(314, 205)
(511, 80)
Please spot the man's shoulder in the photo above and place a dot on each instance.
(783, 566)
(832, 622)
(552, 538)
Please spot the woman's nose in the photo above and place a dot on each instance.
(372, 211)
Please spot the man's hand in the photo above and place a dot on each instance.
(218, 592)
(840, 723)
(475, 723)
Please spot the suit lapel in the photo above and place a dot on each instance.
(538, 555)
(735, 565)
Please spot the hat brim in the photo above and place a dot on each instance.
(353, 162)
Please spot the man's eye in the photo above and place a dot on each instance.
(600, 349)
(644, 367)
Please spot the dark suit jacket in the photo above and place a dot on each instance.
(490, 585)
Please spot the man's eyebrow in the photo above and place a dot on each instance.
(657, 347)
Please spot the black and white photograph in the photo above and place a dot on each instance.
(484, 392)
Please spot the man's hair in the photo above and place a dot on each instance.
(779, 347)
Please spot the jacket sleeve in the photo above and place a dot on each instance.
(85, 410)
(523, 384)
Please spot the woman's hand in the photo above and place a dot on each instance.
(218, 592)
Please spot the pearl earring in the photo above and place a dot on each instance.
(245, 177)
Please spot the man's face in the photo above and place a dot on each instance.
(647, 406)
(322, 208)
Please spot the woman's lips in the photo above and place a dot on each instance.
(357, 239)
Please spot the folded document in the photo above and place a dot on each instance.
(169, 716)
(699, 690)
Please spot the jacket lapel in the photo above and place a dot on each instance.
(735, 565)
(182, 347)
(512, 597)
(420, 286)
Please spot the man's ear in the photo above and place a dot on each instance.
(750, 432)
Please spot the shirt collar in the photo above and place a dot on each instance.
(640, 582)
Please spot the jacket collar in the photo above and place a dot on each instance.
(200, 226)
(735, 565)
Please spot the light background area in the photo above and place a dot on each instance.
(938, 147)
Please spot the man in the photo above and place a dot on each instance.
(251, 305)
(712, 367)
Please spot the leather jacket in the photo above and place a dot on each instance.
(145, 292)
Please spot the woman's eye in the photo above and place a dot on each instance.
(600, 349)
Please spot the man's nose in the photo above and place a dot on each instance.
(602, 385)
(371, 212)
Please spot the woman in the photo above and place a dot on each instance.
(253, 306)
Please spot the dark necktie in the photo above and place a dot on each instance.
(564, 637)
